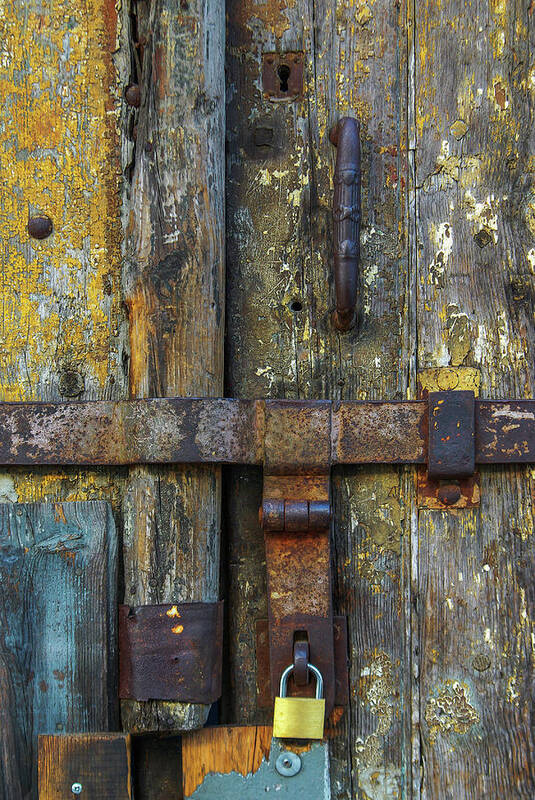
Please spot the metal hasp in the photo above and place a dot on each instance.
(345, 136)
(296, 516)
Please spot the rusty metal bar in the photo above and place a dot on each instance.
(229, 431)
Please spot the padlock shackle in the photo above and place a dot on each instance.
(315, 671)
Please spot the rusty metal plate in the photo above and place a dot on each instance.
(171, 652)
(505, 431)
(282, 75)
(297, 436)
(437, 494)
(379, 433)
(318, 656)
(451, 446)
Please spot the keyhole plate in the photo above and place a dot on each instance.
(282, 76)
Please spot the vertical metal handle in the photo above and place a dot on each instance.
(346, 218)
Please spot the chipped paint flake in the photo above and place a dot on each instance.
(449, 710)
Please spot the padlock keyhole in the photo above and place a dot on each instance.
(284, 73)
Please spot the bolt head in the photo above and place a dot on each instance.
(40, 227)
(76, 788)
(133, 95)
(449, 494)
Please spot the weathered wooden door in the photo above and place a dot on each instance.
(124, 130)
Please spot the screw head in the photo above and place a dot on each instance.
(76, 788)
(288, 764)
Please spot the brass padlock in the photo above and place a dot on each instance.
(299, 717)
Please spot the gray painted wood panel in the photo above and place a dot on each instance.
(58, 574)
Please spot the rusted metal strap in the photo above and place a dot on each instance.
(229, 431)
(171, 652)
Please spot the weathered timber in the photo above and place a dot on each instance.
(62, 320)
(174, 288)
(99, 762)
(157, 773)
(472, 90)
(223, 750)
(281, 342)
(58, 571)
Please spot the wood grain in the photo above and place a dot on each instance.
(58, 570)
(157, 773)
(174, 287)
(222, 750)
(100, 762)
(281, 343)
(473, 255)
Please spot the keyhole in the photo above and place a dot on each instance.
(284, 73)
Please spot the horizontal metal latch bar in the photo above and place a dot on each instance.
(229, 431)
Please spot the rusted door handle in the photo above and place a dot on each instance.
(346, 218)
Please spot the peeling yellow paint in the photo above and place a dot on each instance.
(58, 156)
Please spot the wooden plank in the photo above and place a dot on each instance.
(98, 762)
(62, 332)
(281, 342)
(157, 767)
(474, 140)
(174, 289)
(58, 570)
(223, 750)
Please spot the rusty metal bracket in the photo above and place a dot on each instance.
(227, 431)
(171, 652)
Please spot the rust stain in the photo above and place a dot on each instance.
(59, 513)
(272, 14)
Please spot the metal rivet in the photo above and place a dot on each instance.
(40, 227)
(288, 764)
(481, 662)
(133, 95)
(449, 494)
(76, 788)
